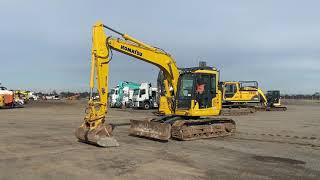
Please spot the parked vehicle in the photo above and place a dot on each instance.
(8, 99)
(145, 97)
(122, 94)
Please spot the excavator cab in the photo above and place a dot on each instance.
(230, 90)
(274, 99)
(195, 88)
(197, 93)
(273, 102)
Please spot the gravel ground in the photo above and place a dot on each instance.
(37, 142)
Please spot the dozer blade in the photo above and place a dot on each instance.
(150, 129)
(101, 136)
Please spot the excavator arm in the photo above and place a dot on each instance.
(263, 96)
(93, 130)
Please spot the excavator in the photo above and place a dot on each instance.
(272, 102)
(192, 97)
(248, 94)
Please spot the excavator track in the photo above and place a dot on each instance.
(280, 108)
(181, 129)
(237, 111)
(274, 108)
(186, 130)
(227, 112)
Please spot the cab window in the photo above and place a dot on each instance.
(142, 92)
(186, 87)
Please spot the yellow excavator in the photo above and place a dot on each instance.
(239, 92)
(191, 96)
(248, 94)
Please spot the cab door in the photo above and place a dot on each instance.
(204, 91)
(185, 91)
(230, 89)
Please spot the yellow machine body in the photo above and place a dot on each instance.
(234, 92)
(93, 129)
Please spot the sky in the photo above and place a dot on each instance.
(45, 45)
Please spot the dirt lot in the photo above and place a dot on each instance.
(37, 142)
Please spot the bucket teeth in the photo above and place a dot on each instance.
(150, 129)
(101, 136)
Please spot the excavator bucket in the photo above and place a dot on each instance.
(101, 136)
(150, 129)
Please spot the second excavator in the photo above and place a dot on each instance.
(191, 96)
(248, 94)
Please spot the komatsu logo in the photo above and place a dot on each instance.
(136, 52)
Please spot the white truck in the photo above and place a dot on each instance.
(114, 94)
(121, 96)
(33, 96)
(145, 97)
(127, 97)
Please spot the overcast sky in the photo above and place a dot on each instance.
(45, 45)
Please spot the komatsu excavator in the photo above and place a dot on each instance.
(192, 96)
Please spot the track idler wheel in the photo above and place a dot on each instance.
(100, 136)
